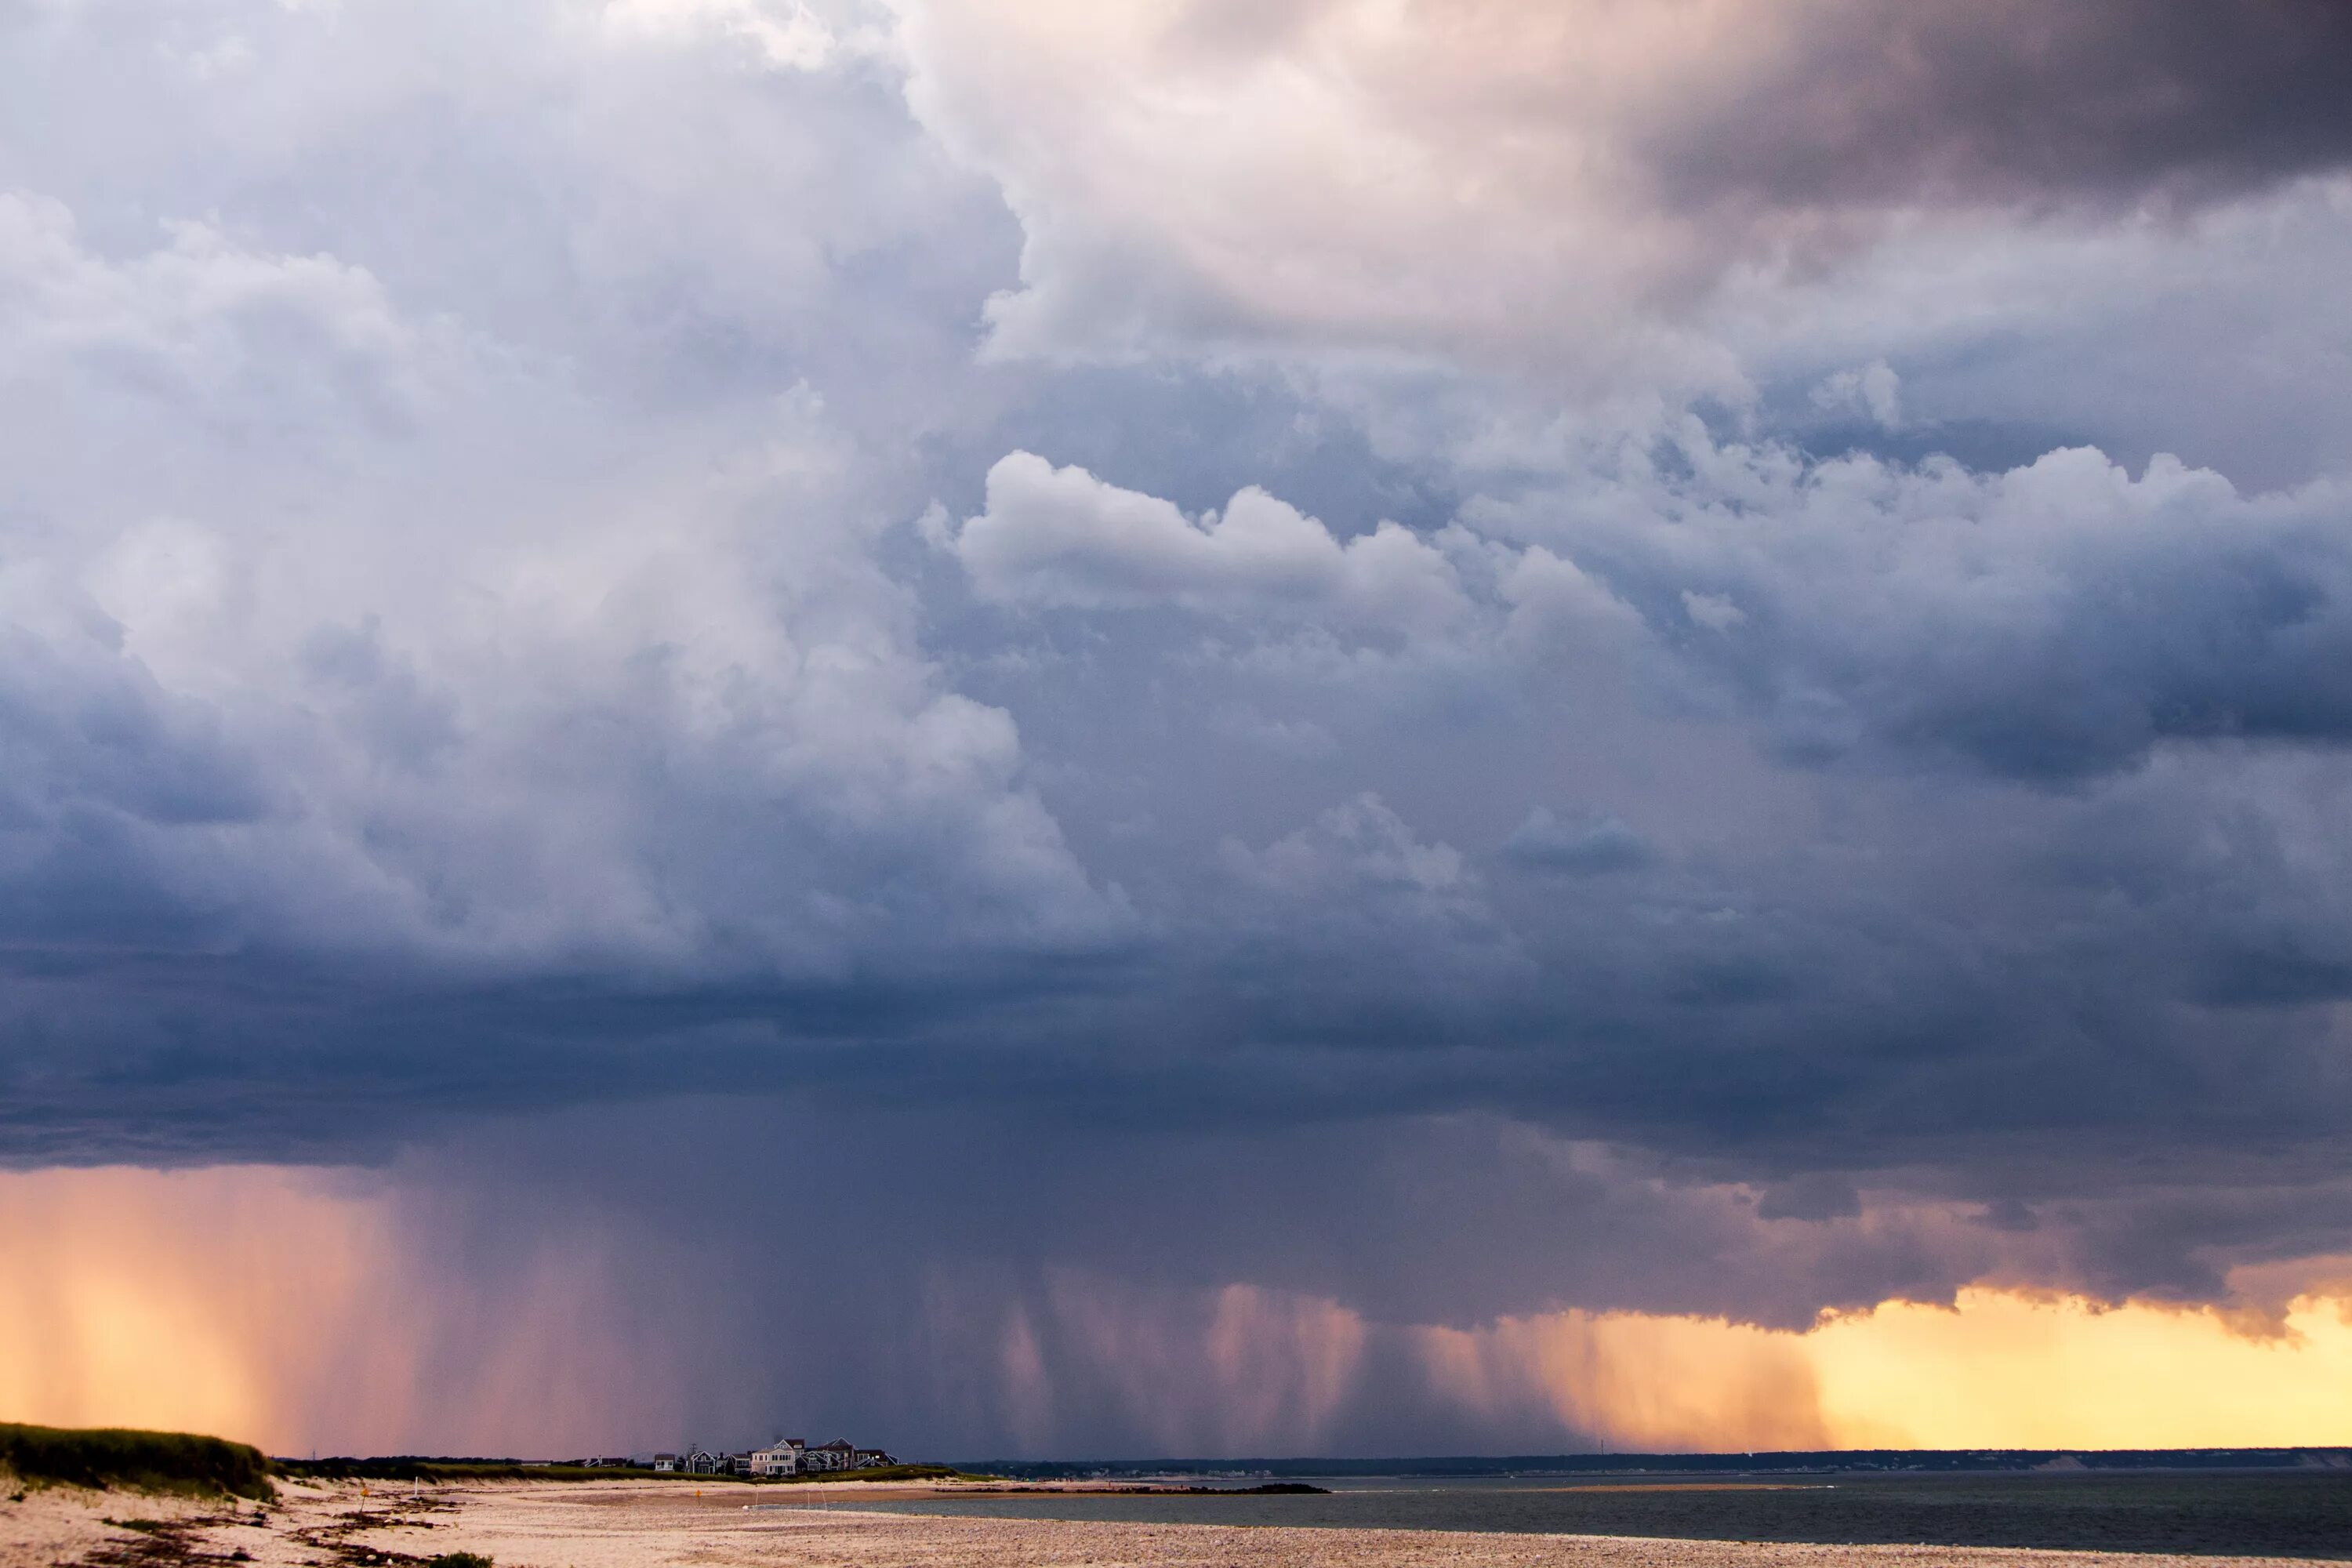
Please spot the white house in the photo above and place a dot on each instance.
(782, 1458)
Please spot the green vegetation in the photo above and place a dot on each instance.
(891, 1473)
(416, 1468)
(179, 1462)
(419, 1468)
(185, 1463)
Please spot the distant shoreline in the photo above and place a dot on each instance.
(1834, 1461)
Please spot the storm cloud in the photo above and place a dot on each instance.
(1863, 101)
(1507, 664)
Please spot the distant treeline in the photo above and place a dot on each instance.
(1835, 1461)
(147, 1461)
(186, 1462)
(424, 1467)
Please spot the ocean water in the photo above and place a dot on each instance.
(2269, 1514)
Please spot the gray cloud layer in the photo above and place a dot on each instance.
(1865, 100)
(556, 558)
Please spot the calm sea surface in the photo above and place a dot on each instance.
(2266, 1513)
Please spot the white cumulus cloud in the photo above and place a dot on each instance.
(1061, 536)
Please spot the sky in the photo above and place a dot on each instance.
(1177, 727)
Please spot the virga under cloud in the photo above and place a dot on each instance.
(1578, 615)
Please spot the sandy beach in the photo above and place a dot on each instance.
(641, 1524)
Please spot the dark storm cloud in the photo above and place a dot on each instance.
(92, 733)
(1813, 1015)
(1862, 101)
(1828, 1024)
(1590, 848)
(474, 683)
(1030, 1283)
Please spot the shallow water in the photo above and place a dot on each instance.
(2281, 1514)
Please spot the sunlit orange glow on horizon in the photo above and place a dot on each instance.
(296, 1309)
(1643, 1383)
(164, 1299)
(2006, 1370)
(1997, 1368)
(291, 1309)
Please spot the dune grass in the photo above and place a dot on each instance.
(181, 1462)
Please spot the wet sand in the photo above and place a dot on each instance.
(650, 1525)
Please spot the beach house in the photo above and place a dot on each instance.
(782, 1458)
(837, 1455)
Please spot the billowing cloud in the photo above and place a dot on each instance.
(1060, 536)
(2060, 618)
(1507, 181)
(428, 689)
(1430, 645)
